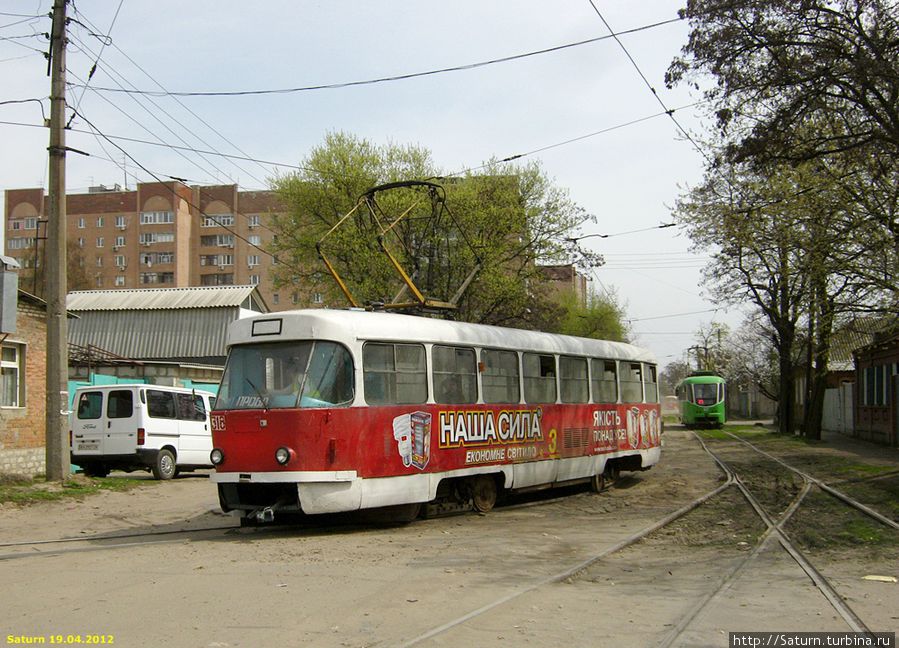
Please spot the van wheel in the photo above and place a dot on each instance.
(164, 468)
(95, 470)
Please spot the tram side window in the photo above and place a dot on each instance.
(632, 383)
(499, 379)
(605, 381)
(539, 378)
(455, 375)
(394, 373)
(650, 384)
(573, 380)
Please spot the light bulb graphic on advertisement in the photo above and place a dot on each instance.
(402, 433)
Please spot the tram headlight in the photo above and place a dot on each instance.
(217, 457)
(283, 455)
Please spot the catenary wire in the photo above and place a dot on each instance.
(103, 44)
(202, 213)
(246, 156)
(399, 77)
(161, 122)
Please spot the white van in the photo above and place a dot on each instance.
(140, 427)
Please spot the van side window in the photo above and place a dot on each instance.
(455, 375)
(199, 409)
(190, 407)
(160, 404)
(90, 405)
(120, 404)
(539, 378)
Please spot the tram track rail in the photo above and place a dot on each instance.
(774, 532)
(830, 490)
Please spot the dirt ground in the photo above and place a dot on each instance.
(352, 584)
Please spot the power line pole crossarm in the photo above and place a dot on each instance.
(57, 446)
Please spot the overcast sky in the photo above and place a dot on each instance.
(628, 177)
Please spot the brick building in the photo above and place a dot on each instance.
(158, 235)
(24, 389)
(170, 235)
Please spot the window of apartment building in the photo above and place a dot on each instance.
(81, 242)
(12, 375)
(80, 223)
(157, 277)
(226, 279)
(15, 225)
(99, 241)
(217, 259)
(120, 222)
(120, 280)
(31, 223)
(255, 239)
(99, 221)
(252, 260)
(294, 299)
(120, 241)
(254, 280)
(99, 282)
(217, 240)
(253, 220)
(217, 220)
(19, 243)
(147, 238)
(165, 257)
(156, 217)
(317, 298)
(99, 262)
(276, 299)
(120, 260)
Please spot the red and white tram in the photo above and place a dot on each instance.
(324, 410)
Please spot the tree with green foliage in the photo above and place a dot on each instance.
(601, 317)
(505, 219)
(32, 279)
(757, 259)
(796, 79)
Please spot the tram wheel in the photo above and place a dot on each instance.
(612, 473)
(483, 493)
(598, 483)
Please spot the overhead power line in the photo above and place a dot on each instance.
(245, 155)
(397, 77)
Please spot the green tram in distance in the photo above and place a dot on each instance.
(701, 399)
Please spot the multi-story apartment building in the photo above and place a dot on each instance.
(158, 235)
(168, 234)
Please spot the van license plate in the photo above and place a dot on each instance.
(89, 445)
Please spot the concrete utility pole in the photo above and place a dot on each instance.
(57, 455)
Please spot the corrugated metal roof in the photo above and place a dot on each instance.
(160, 334)
(164, 298)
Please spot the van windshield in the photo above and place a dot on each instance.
(286, 375)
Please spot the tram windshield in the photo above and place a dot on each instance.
(287, 375)
(705, 393)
